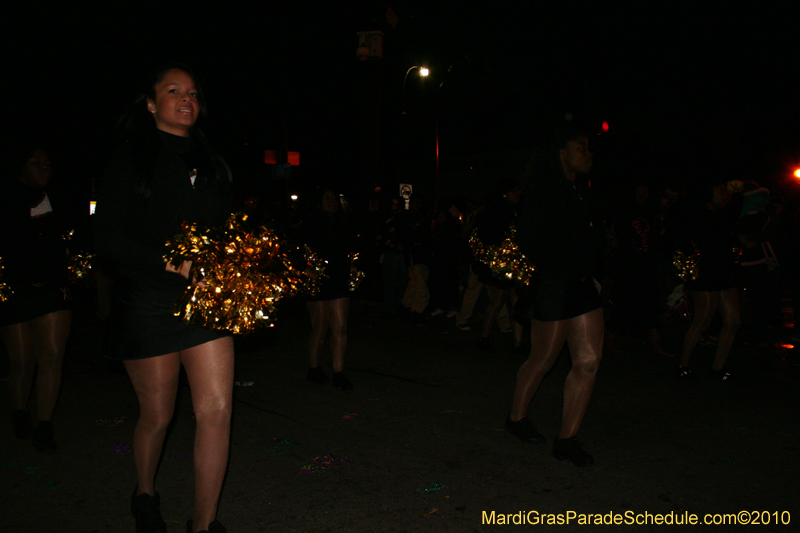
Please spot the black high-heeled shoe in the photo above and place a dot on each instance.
(146, 510)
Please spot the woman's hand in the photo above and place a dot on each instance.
(184, 270)
(311, 273)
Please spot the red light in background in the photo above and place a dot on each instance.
(605, 126)
(272, 157)
(797, 173)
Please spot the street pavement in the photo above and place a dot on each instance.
(419, 445)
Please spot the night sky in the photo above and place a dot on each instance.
(685, 90)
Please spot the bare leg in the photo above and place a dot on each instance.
(338, 312)
(17, 340)
(49, 334)
(731, 320)
(547, 338)
(155, 381)
(209, 368)
(585, 339)
(705, 304)
(318, 311)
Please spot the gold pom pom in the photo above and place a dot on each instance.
(685, 265)
(244, 273)
(356, 275)
(5, 290)
(79, 267)
(505, 259)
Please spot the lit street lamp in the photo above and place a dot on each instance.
(423, 72)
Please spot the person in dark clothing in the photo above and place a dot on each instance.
(394, 245)
(492, 227)
(708, 229)
(446, 252)
(560, 231)
(418, 257)
(35, 321)
(329, 236)
(636, 295)
(164, 175)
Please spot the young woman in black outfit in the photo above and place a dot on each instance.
(560, 231)
(330, 236)
(164, 175)
(35, 321)
(708, 227)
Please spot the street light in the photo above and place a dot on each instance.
(423, 72)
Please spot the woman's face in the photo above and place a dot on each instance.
(330, 202)
(576, 157)
(176, 105)
(36, 170)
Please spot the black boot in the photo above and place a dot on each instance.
(146, 509)
(571, 449)
(23, 428)
(317, 376)
(524, 430)
(43, 438)
(213, 527)
(341, 381)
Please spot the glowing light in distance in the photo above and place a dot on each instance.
(797, 173)
(293, 197)
(424, 72)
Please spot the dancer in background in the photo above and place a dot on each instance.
(560, 231)
(708, 228)
(330, 236)
(166, 174)
(35, 321)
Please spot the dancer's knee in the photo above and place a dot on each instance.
(732, 322)
(155, 420)
(587, 366)
(50, 360)
(214, 412)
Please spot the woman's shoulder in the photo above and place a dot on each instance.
(121, 166)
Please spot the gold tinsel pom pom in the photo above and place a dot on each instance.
(356, 275)
(505, 259)
(79, 267)
(685, 265)
(5, 290)
(79, 264)
(245, 273)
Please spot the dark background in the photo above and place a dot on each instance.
(686, 90)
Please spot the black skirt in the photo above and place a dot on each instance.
(143, 324)
(550, 300)
(31, 301)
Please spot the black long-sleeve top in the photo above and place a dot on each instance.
(33, 249)
(332, 239)
(560, 230)
(131, 227)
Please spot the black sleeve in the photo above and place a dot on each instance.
(114, 238)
